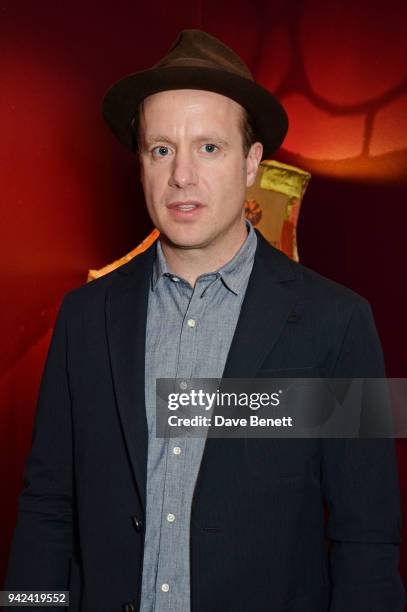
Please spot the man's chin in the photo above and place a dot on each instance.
(184, 241)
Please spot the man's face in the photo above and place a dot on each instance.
(193, 169)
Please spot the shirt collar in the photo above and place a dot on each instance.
(160, 267)
(233, 274)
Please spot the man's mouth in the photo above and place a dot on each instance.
(185, 210)
(184, 206)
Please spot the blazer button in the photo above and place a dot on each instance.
(138, 524)
(129, 607)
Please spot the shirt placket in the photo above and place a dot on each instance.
(176, 513)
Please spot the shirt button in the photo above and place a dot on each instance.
(165, 587)
(191, 322)
(170, 517)
(183, 384)
(175, 279)
(176, 450)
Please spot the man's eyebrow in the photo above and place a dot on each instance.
(157, 138)
(213, 138)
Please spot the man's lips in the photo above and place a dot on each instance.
(185, 205)
(185, 209)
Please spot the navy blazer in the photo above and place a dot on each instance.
(260, 540)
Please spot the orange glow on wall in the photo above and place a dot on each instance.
(340, 69)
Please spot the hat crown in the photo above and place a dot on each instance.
(198, 48)
(197, 60)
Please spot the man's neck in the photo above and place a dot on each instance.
(190, 263)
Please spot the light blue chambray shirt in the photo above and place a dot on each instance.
(189, 333)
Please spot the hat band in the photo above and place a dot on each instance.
(198, 62)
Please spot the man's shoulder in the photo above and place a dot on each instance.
(318, 286)
(307, 283)
(92, 294)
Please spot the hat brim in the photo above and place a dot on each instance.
(270, 121)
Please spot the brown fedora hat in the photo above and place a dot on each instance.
(197, 60)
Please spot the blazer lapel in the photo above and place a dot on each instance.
(267, 304)
(126, 317)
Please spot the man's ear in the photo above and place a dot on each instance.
(252, 162)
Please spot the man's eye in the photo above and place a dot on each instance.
(160, 151)
(209, 148)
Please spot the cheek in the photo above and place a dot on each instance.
(229, 181)
(154, 184)
(218, 177)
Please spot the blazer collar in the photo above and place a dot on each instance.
(267, 304)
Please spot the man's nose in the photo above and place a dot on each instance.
(183, 171)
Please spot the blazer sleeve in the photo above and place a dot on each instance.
(43, 538)
(360, 484)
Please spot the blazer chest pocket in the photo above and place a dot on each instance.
(308, 371)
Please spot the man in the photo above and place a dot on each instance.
(128, 521)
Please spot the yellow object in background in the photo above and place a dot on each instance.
(276, 196)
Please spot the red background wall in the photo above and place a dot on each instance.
(70, 197)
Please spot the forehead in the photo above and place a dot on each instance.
(190, 109)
